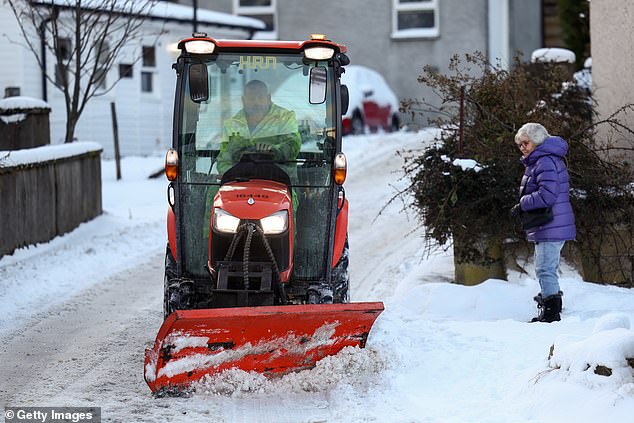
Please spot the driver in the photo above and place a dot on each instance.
(260, 126)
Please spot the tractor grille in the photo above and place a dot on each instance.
(279, 245)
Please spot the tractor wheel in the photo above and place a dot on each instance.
(396, 123)
(170, 274)
(340, 277)
(178, 294)
(357, 126)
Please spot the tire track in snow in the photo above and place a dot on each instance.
(106, 325)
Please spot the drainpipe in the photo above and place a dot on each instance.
(41, 31)
(498, 42)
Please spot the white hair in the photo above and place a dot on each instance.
(534, 131)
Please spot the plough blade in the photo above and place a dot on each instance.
(269, 340)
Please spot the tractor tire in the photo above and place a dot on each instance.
(170, 274)
(357, 125)
(178, 294)
(340, 277)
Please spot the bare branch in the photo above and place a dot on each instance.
(99, 32)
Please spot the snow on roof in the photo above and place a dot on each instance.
(46, 153)
(553, 55)
(167, 11)
(588, 63)
(21, 102)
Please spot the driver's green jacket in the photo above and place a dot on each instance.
(278, 129)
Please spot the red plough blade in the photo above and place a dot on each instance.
(268, 340)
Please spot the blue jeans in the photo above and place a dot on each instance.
(547, 266)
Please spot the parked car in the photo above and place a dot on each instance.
(372, 104)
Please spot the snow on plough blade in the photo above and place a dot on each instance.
(269, 340)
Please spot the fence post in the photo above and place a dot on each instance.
(115, 130)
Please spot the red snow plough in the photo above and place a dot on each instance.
(256, 266)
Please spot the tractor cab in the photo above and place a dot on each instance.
(258, 184)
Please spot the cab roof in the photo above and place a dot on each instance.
(266, 44)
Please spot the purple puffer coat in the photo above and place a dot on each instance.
(546, 184)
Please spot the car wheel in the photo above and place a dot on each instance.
(396, 123)
(357, 124)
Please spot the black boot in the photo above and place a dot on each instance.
(549, 308)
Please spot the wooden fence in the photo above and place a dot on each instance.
(41, 200)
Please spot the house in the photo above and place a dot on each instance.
(144, 94)
(612, 63)
(398, 37)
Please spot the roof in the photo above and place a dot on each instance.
(164, 11)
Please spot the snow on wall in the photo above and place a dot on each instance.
(553, 54)
(22, 102)
(46, 153)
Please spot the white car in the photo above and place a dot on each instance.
(372, 103)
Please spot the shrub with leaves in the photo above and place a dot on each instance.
(467, 205)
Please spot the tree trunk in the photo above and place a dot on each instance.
(71, 124)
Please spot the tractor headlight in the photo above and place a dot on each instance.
(200, 47)
(318, 53)
(225, 222)
(276, 223)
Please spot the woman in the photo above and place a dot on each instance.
(545, 184)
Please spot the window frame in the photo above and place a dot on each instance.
(102, 69)
(64, 48)
(126, 71)
(253, 11)
(422, 6)
(151, 81)
(144, 55)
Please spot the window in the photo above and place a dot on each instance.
(103, 60)
(63, 52)
(11, 92)
(63, 48)
(149, 56)
(61, 74)
(415, 19)
(125, 70)
(146, 82)
(264, 10)
(100, 77)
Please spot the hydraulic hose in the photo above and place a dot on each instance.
(251, 228)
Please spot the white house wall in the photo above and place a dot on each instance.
(19, 68)
(612, 63)
(144, 119)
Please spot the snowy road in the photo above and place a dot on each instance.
(439, 353)
(87, 345)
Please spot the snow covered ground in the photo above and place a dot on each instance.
(77, 313)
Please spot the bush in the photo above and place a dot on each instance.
(467, 205)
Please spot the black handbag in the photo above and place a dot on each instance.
(536, 217)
